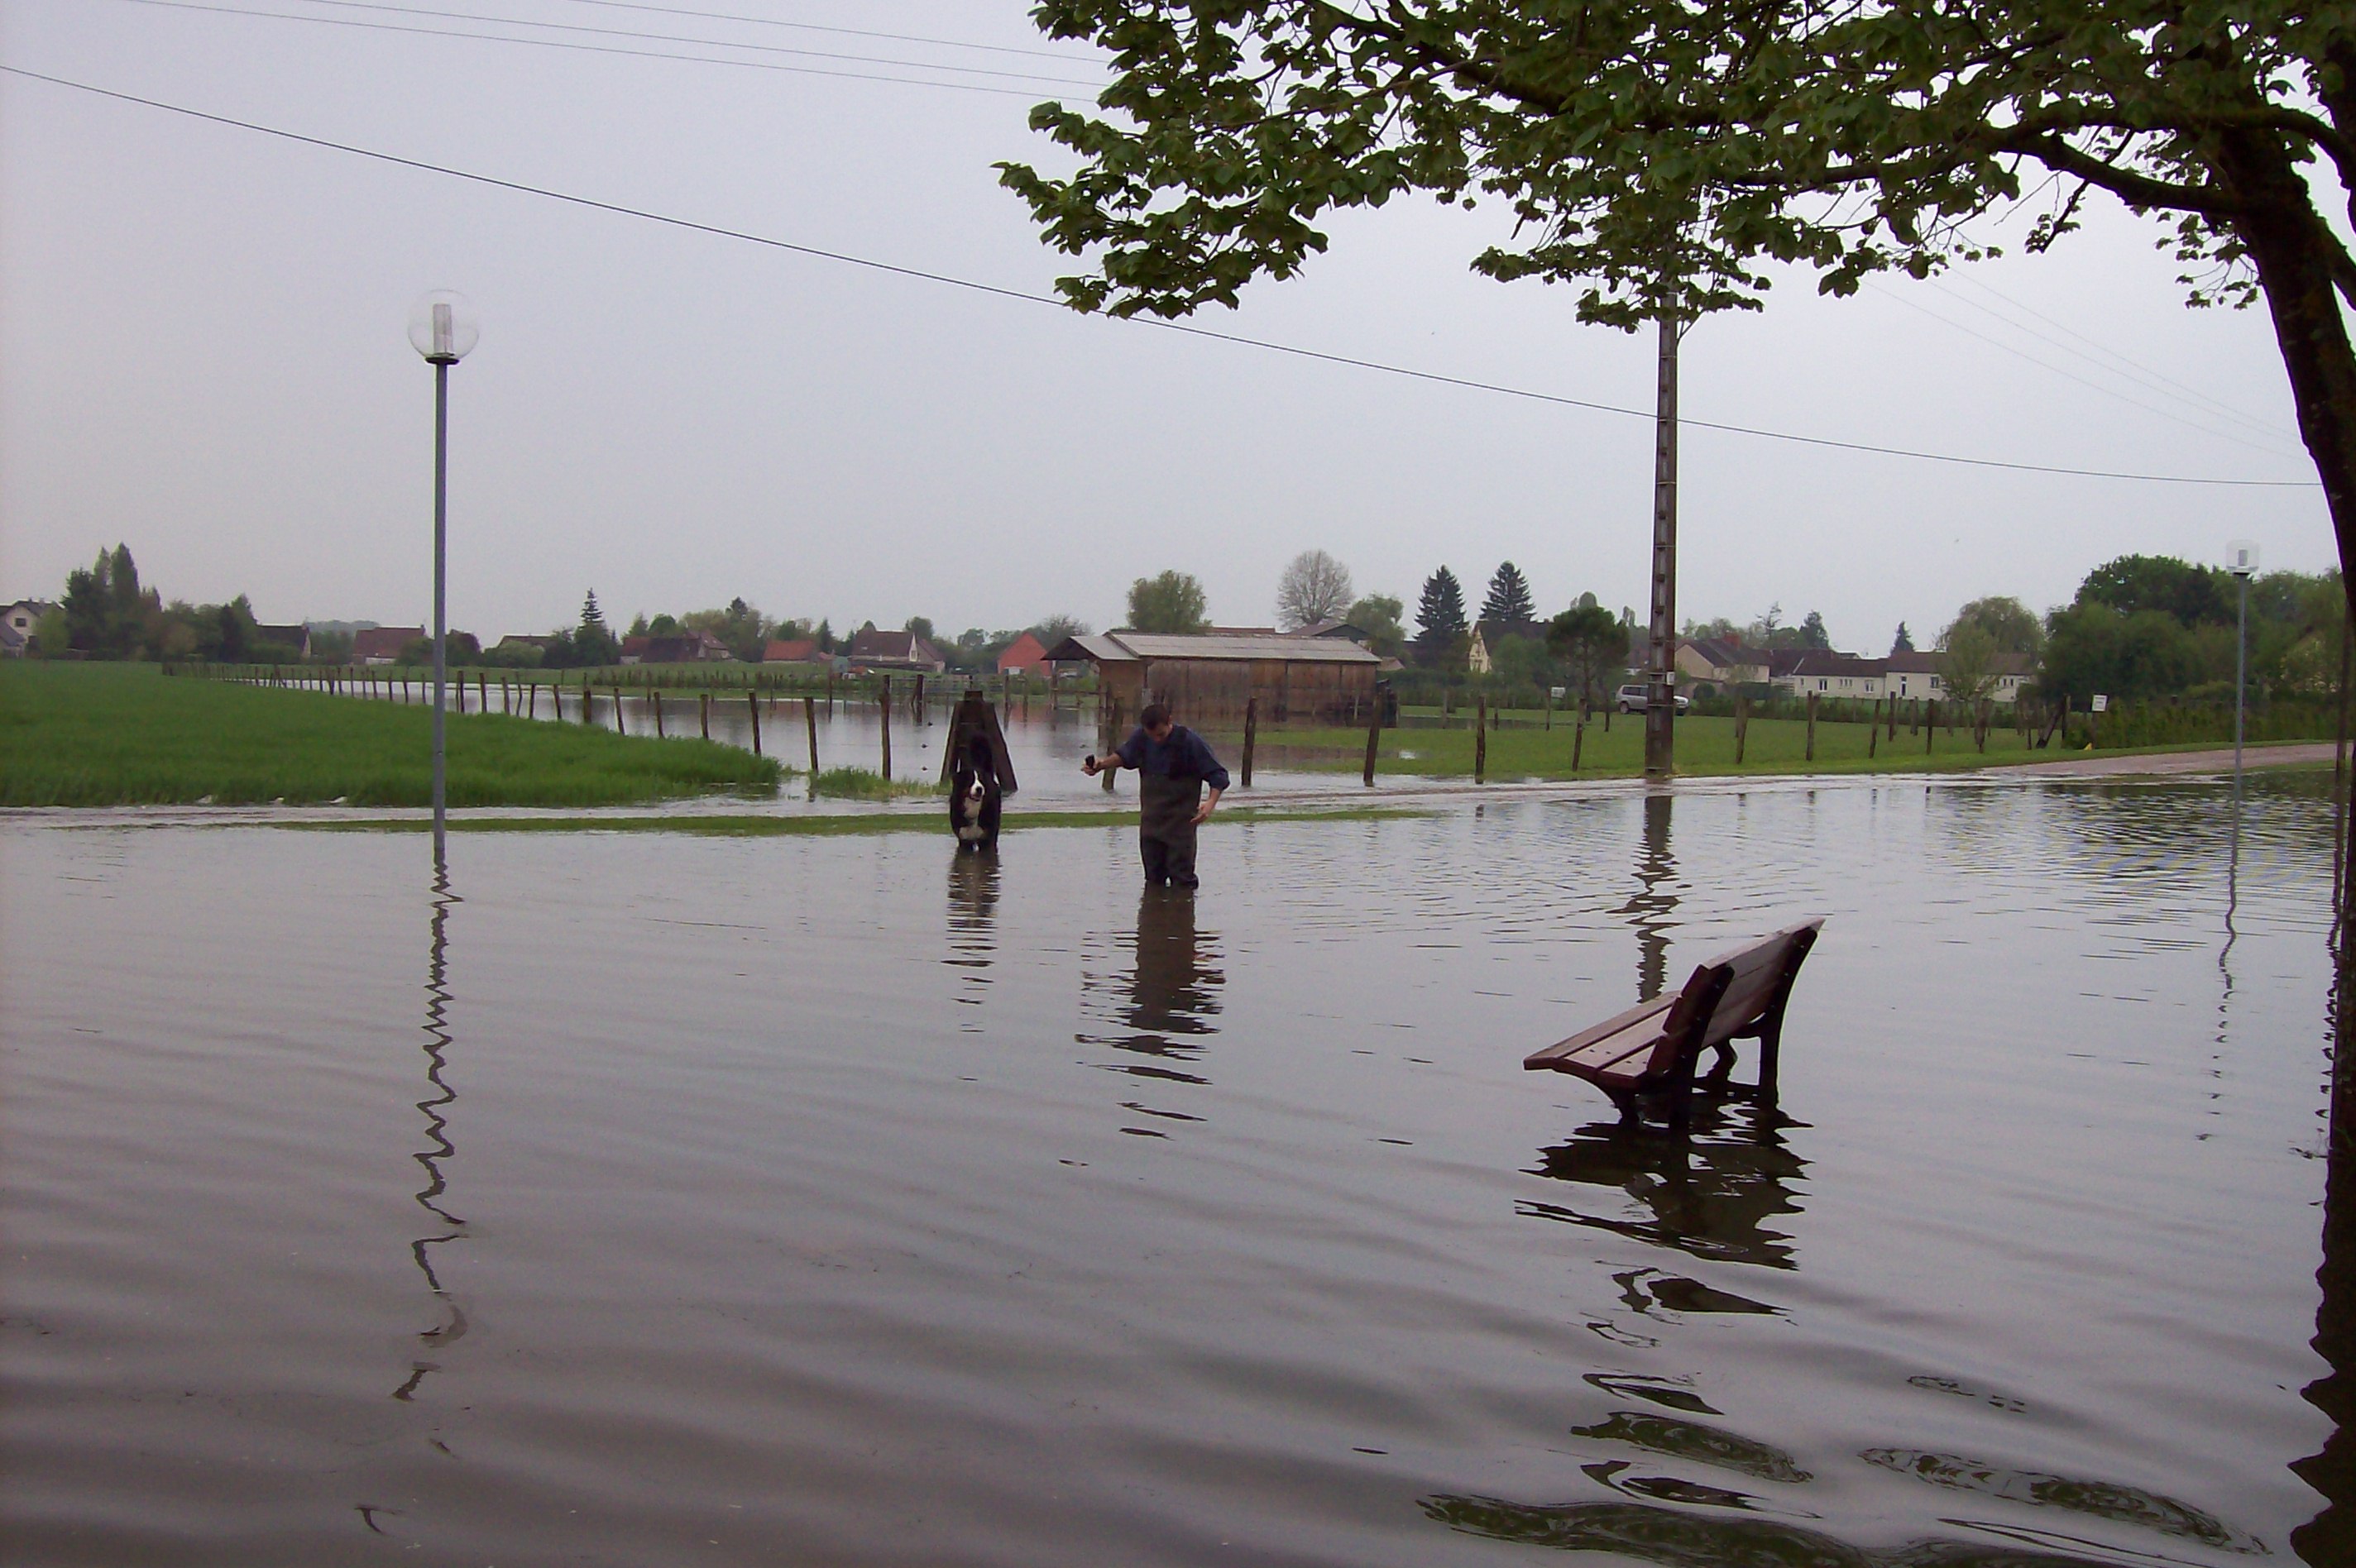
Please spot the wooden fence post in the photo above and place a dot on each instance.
(885, 699)
(1578, 742)
(1931, 727)
(1251, 735)
(1481, 739)
(1741, 727)
(1873, 730)
(1374, 740)
(1811, 727)
(617, 711)
(654, 695)
(703, 713)
(810, 718)
(916, 702)
(752, 707)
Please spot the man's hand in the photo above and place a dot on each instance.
(1090, 766)
(1203, 813)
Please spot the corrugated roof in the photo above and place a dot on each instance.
(1293, 650)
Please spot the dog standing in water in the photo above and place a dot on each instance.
(975, 797)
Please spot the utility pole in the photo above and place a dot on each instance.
(1660, 683)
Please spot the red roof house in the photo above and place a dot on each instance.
(1024, 656)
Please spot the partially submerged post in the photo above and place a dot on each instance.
(810, 718)
(1251, 737)
(885, 699)
(1373, 741)
(752, 707)
(1481, 740)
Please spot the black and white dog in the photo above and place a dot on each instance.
(975, 798)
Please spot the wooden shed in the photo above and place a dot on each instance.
(1207, 679)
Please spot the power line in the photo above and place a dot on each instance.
(997, 291)
(583, 48)
(847, 32)
(677, 39)
(1892, 294)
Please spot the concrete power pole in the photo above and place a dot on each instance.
(1660, 689)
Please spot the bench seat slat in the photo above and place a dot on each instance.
(1614, 1030)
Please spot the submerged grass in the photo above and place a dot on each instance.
(1705, 749)
(864, 783)
(718, 826)
(103, 734)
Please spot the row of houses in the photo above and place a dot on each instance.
(1715, 663)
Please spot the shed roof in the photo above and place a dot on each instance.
(1119, 648)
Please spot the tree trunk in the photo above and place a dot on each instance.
(2294, 251)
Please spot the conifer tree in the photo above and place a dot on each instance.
(1439, 614)
(1509, 597)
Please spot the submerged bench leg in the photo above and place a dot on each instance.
(1771, 1042)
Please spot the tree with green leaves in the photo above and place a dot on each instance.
(1592, 643)
(1508, 600)
(1664, 156)
(1172, 601)
(1812, 631)
(1439, 614)
(2134, 582)
(2011, 627)
(1379, 616)
(107, 613)
(1903, 643)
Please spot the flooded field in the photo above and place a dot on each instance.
(646, 1198)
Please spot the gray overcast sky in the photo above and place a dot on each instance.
(202, 352)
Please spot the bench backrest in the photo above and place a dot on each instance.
(1739, 989)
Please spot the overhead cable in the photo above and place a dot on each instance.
(1187, 329)
(846, 32)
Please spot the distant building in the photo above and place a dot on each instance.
(382, 645)
(895, 651)
(1908, 676)
(295, 637)
(17, 624)
(685, 647)
(1358, 634)
(1211, 677)
(1489, 636)
(515, 640)
(794, 650)
(1026, 654)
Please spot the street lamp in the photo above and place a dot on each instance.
(441, 327)
(2242, 560)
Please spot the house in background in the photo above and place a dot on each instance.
(1721, 663)
(1915, 676)
(382, 645)
(1488, 635)
(892, 651)
(1026, 654)
(517, 640)
(1818, 672)
(794, 650)
(17, 624)
(686, 647)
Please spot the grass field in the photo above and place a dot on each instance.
(1705, 747)
(105, 734)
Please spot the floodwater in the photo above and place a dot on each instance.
(651, 1198)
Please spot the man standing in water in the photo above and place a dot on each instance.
(1173, 765)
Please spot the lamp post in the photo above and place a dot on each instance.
(441, 327)
(2242, 560)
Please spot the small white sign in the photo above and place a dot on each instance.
(2102, 703)
(1561, 692)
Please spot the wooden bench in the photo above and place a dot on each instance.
(1653, 1047)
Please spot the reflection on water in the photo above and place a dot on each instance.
(1674, 1539)
(973, 926)
(2329, 1539)
(1720, 1191)
(2102, 1499)
(452, 1321)
(1652, 908)
(1165, 1005)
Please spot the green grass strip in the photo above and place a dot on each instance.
(123, 734)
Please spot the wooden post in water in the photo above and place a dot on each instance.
(1741, 727)
(482, 689)
(1251, 735)
(617, 710)
(916, 703)
(655, 695)
(1811, 727)
(810, 718)
(1374, 739)
(1481, 739)
(703, 712)
(885, 699)
(752, 707)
